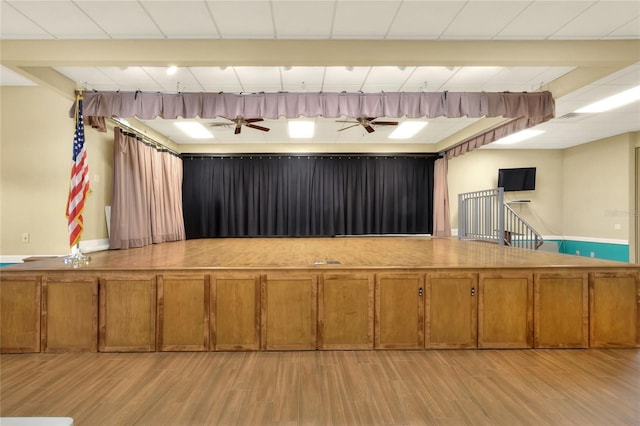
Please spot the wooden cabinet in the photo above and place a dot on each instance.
(69, 314)
(127, 314)
(451, 311)
(561, 310)
(399, 311)
(614, 313)
(20, 314)
(345, 312)
(235, 321)
(505, 310)
(289, 305)
(183, 313)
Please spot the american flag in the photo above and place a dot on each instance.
(79, 186)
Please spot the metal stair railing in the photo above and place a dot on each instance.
(483, 215)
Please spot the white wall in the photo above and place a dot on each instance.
(478, 170)
(36, 147)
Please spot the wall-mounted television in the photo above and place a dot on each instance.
(520, 179)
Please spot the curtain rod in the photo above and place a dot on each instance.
(311, 155)
(158, 145)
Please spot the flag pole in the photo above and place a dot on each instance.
(78, 189)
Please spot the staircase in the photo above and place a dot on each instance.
(483, 215)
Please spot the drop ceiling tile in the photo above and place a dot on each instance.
(542, 18)
(630, 30)
(63, 19)
(428, 79)
(131, 79)
(182, 19)
(600, 20)
(259, 79)
(483, 19)
(469, 79)
(12, 78)
(388, 79)
(302, 79)
(242, 19)
(182, 81)
(307, 19)
(14, 24)
(424, 19)
(363, 19)
(121, 19)
(88, 77)
(335, 78)
(216, 79)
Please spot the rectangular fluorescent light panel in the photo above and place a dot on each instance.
(301, 129)
(194, 129)
(518, 137)
(612, 102)
(407, 129)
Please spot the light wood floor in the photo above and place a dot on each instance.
(508, 387)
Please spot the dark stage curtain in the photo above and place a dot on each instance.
(267, 196)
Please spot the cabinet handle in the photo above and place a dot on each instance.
(420, 292)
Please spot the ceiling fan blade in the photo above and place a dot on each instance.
(348, 127)
(237, 130)
(369, 128)
(385, 123)
(253, 120)
(253, 126)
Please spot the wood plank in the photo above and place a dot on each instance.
(399, 313)
(289, 312)
(614, 310)
(345, 311)
(505, 310)
(451, 311)
(20, 299)
(235, 323)
(438, 387)
(561, 310)
(69, 314)
(127, 314)
(183, 312)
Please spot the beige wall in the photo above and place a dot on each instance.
(35, 149)
(478, 170)
(597, 182)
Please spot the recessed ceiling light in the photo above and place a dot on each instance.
(407, 129)
(519, 136)
(194, 129)
(612, 102)
(172, 70)
(301, 129)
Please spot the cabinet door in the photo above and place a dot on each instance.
(20, 314)
(451, 311)
(399, 313)
(235, 322)
(127, 314)
(505, 311)
(345, 312)
(183, 313)
(561, 310)
(613, 311)
(69, 314)
(289, 305)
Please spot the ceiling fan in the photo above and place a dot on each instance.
(367, 123)
(241, 121)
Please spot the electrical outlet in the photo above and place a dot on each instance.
(26, 238)
(577, 252)
(593, 254)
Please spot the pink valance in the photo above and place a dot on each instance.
(536, 107)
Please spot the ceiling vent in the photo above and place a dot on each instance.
(571, 117)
